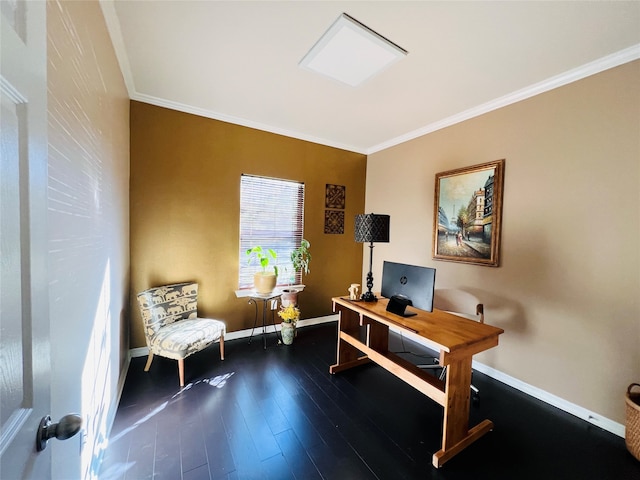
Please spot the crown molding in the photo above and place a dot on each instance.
(113, 27)
(160, 102)
(610, 61)
(605, 63)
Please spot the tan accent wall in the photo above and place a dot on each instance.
(185, 209)
(567, 291)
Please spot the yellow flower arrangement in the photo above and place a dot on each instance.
(289, 314)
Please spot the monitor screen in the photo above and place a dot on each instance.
(410, 282)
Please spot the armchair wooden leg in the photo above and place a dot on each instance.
(181, 371)
(222, 348)
(149, 360)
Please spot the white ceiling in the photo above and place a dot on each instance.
(237, 61)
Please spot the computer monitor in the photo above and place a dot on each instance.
(408, 283)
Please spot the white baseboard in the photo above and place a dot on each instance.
(580, 412)
(144, 351)
(112, 409)
(564, 405)
(138, 352)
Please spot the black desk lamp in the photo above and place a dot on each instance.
(371, 228)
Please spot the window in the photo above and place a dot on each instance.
(272, 216)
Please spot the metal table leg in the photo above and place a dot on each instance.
(264, 320)
(255, 320)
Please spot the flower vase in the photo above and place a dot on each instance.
(289, 297)
(288, 332)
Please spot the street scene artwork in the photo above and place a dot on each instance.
(468, 214)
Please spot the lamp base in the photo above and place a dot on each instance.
(368, 297)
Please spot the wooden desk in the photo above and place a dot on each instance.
(456, 338)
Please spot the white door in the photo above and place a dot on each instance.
(24, 321)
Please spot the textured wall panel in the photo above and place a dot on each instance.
(88, 219)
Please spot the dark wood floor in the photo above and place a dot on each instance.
(278, 414)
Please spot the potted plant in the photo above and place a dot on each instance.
(300, 258)
(290, 315)
(265, 280)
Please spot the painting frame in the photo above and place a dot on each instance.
(473, 233)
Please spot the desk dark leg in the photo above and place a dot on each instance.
(347, 355)
(377, 336)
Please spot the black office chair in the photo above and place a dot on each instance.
(463, 304)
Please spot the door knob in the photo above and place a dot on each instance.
(67, 427)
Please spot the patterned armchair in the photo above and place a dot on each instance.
(172, 327)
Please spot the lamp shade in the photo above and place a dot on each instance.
(372, 228)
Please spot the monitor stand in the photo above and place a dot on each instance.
(398, 304)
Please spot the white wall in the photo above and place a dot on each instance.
(88, 226)
(567, 290)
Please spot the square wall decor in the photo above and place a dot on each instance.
(335, 196)
(334, 221)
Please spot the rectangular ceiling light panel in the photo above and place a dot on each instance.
(351, 53)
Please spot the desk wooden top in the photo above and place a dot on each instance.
(446, 331)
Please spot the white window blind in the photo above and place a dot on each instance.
(271, 216)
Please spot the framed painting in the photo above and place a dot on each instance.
(468, 214)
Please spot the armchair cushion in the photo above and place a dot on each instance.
(180, 339)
